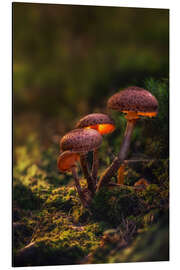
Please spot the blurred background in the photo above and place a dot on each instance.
(68, 60)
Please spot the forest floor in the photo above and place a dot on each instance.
(50, 227)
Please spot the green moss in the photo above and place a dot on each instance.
(24, 197)
(47, 253)
(60, 235)
(150, 244)
(113, 205)
(21, 234)
(63, 198)
(155, 197)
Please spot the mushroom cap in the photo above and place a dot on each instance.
(67, 160)
(134, 99)
(81, 140)
(99, 121)
(94, 119)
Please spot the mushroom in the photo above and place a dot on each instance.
(67, 162)
(99, 121)
(120, 175)
(141, 184)
(82, 141)
(104, 125)
(133, 102)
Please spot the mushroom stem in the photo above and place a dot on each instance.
(85, 169)
(78, 187)
(112, 169)
(95, 165)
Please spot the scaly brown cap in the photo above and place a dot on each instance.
(99, 121)
(67, 160)
(134, 99)
(81, 140)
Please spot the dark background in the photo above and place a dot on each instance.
(68, 60)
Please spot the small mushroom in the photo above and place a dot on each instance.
(82, 141)
(141, 184)
(99, 121)
(104, 125)
(134, 102)
(67, 162)
(120, 175)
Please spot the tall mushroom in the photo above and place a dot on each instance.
(67, 162)
(134, 102)
(104, 125)
(82, 141)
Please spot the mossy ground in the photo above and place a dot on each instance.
(50, 227)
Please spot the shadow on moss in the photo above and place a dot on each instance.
(113, 205)
(150, 244)
(43, 253)
(24, 197)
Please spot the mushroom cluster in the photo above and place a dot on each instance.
(74, 147)
(134, 102)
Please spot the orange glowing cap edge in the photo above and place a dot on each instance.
(67, 160)
(102, 128)
(132, 114)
